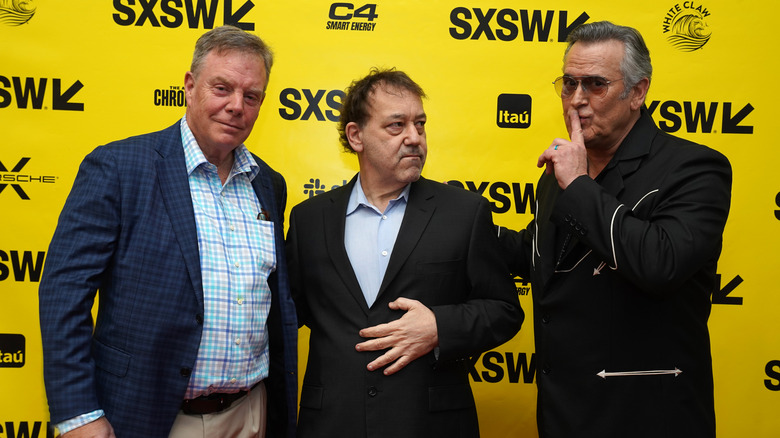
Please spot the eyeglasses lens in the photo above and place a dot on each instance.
(566, 86)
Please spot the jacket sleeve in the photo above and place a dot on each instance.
(667, 234)
(78, 257)
(491, 315)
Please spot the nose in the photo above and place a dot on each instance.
(412, 137)
(235, 104)
(580, 96)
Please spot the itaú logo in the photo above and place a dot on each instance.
(12, 350)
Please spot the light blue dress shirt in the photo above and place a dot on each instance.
(369, 237)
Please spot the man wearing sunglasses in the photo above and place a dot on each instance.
(622, 255)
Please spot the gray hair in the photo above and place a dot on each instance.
(230, 38)
(636, 57)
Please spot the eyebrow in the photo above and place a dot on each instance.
(223, 80)
(396, 116)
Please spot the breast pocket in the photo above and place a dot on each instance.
(440, 281)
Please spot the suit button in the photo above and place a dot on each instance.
(185, 372)
(545, 318)
(372, 391)
(199, 319)
(546, 370)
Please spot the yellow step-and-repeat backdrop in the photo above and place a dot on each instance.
(80, 73)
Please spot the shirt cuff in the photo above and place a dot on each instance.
(84, 419)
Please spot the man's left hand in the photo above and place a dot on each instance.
(412, 336)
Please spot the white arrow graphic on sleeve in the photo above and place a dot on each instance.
(604, 374)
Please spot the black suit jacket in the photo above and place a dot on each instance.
(446, 256)
(630, 291)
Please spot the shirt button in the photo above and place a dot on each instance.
(240, 301)
(232, 228)
(233, 380)
(384, 217)
(372, 391)
(384, 253)
(236, 265)
(238, 341)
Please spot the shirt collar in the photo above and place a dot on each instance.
(194, 158)
(358, 197)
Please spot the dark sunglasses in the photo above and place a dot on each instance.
(565, 86)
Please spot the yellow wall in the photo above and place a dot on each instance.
(76, 74)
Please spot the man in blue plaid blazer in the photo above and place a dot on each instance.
(181, 231)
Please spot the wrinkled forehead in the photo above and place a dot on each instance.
(598, 58)
(388, 98)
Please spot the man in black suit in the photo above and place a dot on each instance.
(400, 280)
(622, 255)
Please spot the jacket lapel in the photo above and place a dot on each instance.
(544, 256)
(175, 189)
(335, 218)
(418, 213)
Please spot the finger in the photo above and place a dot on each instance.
(576, 127)
(376, 331)
(402, 303)
(376, 344)
(382, 360)
(546, 160)
(397, 366)
(543, 159)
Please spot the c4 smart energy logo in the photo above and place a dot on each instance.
(686, 26)
(16, 12)
(349, 16)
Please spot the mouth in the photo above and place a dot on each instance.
(231, 126)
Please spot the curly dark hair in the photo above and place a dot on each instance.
(355, 107)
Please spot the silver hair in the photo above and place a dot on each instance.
(230, 38)
(636, 57)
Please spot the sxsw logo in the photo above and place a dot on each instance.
(12, 351)
(514, 111)
(31, 92)
(172, 13)
(293, 107)
(704, 117)
(512, 24)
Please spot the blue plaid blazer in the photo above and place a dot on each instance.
(128, 229)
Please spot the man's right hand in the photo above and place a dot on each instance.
(99, 428)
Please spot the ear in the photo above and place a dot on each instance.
(189, 85)
(352, 130)
(639, 93)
